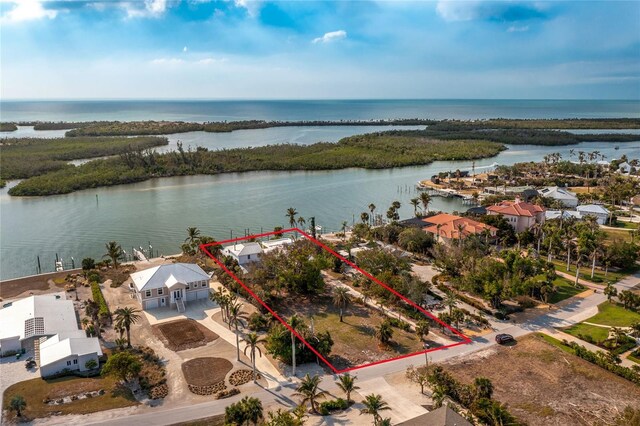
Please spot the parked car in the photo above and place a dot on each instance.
(501, 339)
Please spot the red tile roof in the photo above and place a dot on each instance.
(516, 208)
(448, 226)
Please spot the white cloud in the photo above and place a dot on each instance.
(27, 10)
(516, 29)
(152, 8)
(331, 36)
(252, 6)
(184, 49)
(186, 62)
(167, 61)
(457, 10)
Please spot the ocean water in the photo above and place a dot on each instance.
(195, 110)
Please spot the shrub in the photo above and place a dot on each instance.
(398, 323)
(327, 407)
(258, 322)
(94, 277)
(98, 297)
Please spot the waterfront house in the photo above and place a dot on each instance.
(520, 215)
(447, 227)
(562, 195)
(170, 285)
(600, 213)
(243, 253)
(277, 244)
(47, 325)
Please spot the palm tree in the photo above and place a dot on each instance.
(17, 404)
(252, 340)
(114, 252)
(450, 301)
(415, 202)
(235, 318)
(92, 309)
(373, 404)
(310, 391)
(192, 235)
(341, 299)
(422, 328)
(372, 208)
(426, 199)
(291, 214)
(483, 387)
(364, 217)
(301, 222)
(252, 409)
(344, 229)
(125, 317)
(347, 384)
(295, 322)
(384, 332)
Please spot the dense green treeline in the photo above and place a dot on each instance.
(517, 136)
(26, 157)
(8, 127)
(560, 123)
(373, 151)
(57, 125)
(130, 128)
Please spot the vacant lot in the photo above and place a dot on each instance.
(545, 386)
(354, 338)
(34, 391)
(12, 288)
(183, 334)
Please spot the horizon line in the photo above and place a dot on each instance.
(303, 99)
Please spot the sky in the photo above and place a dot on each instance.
(242, 49)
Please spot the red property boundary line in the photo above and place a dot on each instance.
(203, 247)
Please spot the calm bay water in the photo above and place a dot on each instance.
(159, 211)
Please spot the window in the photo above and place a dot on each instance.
(160, 291)
(248, 256)
(75, 361)
(147, 293)
(188, 286)
(68, 362)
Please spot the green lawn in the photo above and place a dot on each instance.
(565, 290)
(634, 359)
(555, 342)
(614, 315)
(608, 314)
(581, 330)
(617, 234)
(598, 276)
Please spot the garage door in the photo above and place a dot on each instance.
(203, 294)
(191, 295)
(150, 304)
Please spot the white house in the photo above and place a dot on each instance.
(48, 325)
(68, 351)
(243, 253)
(564, 196)
(32, 318)
(271, 245)
(625, 168)
(170, 285)
(600, 213)
(520, 215)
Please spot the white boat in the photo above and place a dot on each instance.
(59, 266)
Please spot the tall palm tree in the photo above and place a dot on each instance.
(341, 299)
(372, 208)
(309, 390)
(114, 252)
(92, 309)
(384, 332)
(301, 222)
(193, 234)
(373, 404)
(125, 317)
(364, 217)
(235, 318)
(252, 341)
(295, 322)
(347, 384)
(426, 199)
(415, 202)
(422, 328)
(291, 214)
(343, 228)
(396, 205)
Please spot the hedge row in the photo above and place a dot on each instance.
(98, 297)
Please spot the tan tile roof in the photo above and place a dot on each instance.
(450, 226)
(516, 208)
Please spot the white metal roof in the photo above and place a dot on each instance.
(593, 209)
(247, 249)
(271, 245)
(566, 214)
(557, 193)
(57, 313)
(168, 275)
(55, 349)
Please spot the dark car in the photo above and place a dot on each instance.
(504, 338)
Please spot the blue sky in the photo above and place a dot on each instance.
(304, 49)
